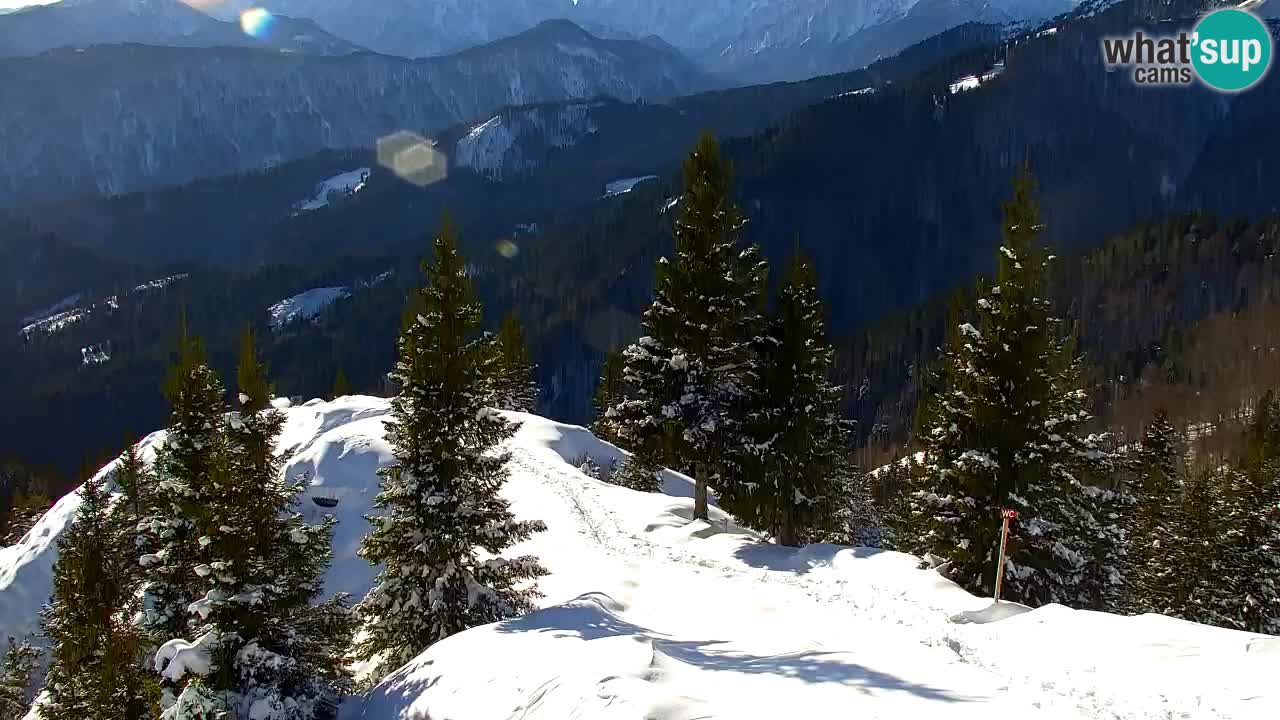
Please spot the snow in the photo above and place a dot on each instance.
(625, 185)
(342, 185)
(647, 613)
(56, 322)
(161, 283)
(305, 305)
(178, 657)
(94, 354)
(851, 93)
(971, 82)
(63, 304)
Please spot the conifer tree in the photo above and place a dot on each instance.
(1251, 525)
(515, 386)
(186, 463)
(800, 444)
(1154, 528)
(261, 569)
(1004, 432)
(1202, 596)
(609, 392)
(443, 522)
(16, 670)
(95, 670)
(692, 371)
(341, 385)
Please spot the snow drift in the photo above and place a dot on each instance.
(647, 614)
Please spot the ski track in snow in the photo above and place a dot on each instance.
(867, 605)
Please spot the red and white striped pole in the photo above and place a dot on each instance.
(1007, 515)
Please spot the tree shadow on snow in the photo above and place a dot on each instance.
(799, 560)
(809, 666)
(593, 616)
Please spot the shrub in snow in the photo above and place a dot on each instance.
(445, 523)
(16, 670)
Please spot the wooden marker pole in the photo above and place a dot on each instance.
(1007, 515)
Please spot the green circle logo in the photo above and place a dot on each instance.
(1231, 49)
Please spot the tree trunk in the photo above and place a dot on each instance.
(700, 492)
(787, 530)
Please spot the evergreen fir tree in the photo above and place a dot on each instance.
(692, 371)
(800, 444)
(341, 386)
(261, 569)
(609, 392)
(95, 670)
(1004, 432)
(187, 462)
(16, 670)
(1202, 596)
(1154, 528)
(444, 522)
(641, 471)
(1251, 525)
(514, 382)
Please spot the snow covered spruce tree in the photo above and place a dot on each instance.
(443, 524)
(1004, 432)
(515, 386)
(1251, 524)
(692, 371)
(1154, 539)
(95, 650)
(609, 392)
(800, 443)
(16, 671)
(185, 465)
(261, 569)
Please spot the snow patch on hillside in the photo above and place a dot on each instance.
(60, 306)
(513, 142)
(161, 283)
(305, 305)
(626, 185)
(972, 82)
(337, 187)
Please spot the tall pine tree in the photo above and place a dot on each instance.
(95, 670)
(1154, 538)
(1251, 524)
(801, 445)
(192, 454)
(692, 371)
(609, 392)
(515, 386)
(1004, 432)
(444, 523)
(261, 570)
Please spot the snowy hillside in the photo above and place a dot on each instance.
(647, 615)
(305, 305)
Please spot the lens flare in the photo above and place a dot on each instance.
(256, 21)
(413, 158)
(507, 249)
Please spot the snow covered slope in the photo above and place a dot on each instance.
(649, 615)
(305, 305)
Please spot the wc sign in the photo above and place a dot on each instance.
(1229, 50)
